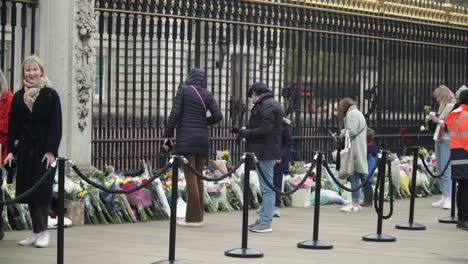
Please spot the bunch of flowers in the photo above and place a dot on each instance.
(226, 156)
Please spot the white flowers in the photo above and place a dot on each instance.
(422, 128)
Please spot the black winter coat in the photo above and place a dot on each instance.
(265, 125)
(37, 132)
(189, 118)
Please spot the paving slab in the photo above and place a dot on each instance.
(144, 243)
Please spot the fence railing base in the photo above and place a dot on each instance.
(314, 244)
(379, 238)
(169, 262)
(449, 220)
(243, 253)
(410, 226)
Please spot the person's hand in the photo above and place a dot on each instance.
(278, 161)
(8, 159)
(242, 133)
(165, 144)
(49, 158)
(234, 130)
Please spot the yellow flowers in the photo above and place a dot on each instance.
(82, 194)
(427, 108)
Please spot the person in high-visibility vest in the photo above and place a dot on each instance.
(457, 121)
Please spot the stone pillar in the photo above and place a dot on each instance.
(64, 38)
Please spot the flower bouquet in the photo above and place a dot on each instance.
(141, 198)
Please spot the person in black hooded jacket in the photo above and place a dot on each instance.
(189, 117)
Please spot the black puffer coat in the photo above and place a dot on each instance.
(188, 116)
(265, 126)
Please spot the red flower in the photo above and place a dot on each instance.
(407, 140)
(403, 136)
(144, 180)
(402, 129)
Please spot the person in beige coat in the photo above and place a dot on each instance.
(446, 100)
(351, 119)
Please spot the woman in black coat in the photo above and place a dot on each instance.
(34, 134)
(188, 117)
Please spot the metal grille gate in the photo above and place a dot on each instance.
(311, 56)
(17, 37)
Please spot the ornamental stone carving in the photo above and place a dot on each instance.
(85, 60)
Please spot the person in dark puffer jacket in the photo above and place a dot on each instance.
(188, 116)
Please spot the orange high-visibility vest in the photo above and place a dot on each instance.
(457, 121)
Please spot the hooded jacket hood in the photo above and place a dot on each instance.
(196, 78)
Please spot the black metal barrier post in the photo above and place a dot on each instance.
(172, 232)
(61, 209)
(315, 243)
(245, 252)
(452, 219)
(411, 225)
(379, 237)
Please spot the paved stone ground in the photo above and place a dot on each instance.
(148, 242)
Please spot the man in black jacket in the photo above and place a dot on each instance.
(263, 137)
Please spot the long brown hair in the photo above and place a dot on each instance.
(343, 107)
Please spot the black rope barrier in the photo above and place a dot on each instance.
(315, 243)
(244, 251)
(156, 175)
(369, 177)
(391, 189)
(212, 179)
(48, 173)
(133, 173)
(452, 219)
(271, 186)
(411, 225)
(430, 172)
(379, 237)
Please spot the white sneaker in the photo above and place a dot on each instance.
(439, 203)
(447, 204)
(43, 240)
(276, 212)
(350, 208)
(189, 224)
(30, 240)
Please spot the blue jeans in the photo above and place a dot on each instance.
(442, 149)
(268, 201)
(355, 182)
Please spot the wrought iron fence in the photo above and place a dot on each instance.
(311, 56)
(17, 37)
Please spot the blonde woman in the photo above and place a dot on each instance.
(351, 119)
(36, 124)
(446, 100)
(5, 103)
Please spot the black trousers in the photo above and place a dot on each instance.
(462, 200)
(39, 212)
(278, 183)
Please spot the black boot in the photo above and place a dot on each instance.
(465, 225)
